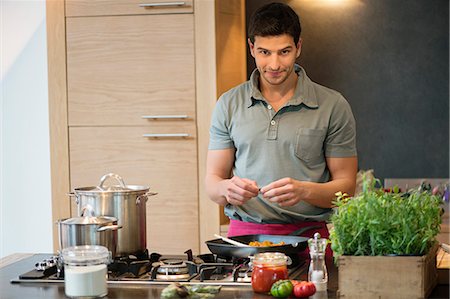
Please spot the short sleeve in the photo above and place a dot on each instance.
(341, 136)
(219, 133)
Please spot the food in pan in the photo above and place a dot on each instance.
(265, 243)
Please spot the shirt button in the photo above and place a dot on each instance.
(269, 107)
(273, 123)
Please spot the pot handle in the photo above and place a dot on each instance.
(111, 175)
(144, 197)
(72, 194)
(109, 227)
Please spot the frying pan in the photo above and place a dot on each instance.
(293, 244)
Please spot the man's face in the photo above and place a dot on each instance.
(275, 57)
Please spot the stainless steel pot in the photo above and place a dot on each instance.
(88, 230)
(126, 203)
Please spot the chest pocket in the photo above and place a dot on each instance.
(309, 143)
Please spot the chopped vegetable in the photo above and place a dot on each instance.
(178, 290)
(205, 289)
(282, 288)
(265, 243)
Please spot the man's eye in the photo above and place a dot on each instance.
(264, 52)
(285, 52)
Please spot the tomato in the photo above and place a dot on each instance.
(304, 289)
(282, 288)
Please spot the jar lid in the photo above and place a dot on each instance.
(86, 255)
(270, 258)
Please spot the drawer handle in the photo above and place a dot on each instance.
(176, 135)
(164, 116)
(162, 4)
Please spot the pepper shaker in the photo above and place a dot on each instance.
(317, 273)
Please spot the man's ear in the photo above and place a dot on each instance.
(299, 47)
(251, 47)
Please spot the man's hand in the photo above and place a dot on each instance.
(286, 192)
(239, 190)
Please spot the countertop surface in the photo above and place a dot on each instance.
(12, 266)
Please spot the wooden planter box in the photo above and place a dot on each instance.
(387, 276)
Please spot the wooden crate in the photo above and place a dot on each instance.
(384, 277)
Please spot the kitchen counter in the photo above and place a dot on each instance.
(14, 265)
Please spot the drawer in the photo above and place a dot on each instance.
(167, 165)
(79, 8)
(121, 69)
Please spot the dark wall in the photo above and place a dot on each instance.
(390, 59)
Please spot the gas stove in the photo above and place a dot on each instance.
(156, 268)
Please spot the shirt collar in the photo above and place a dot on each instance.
(304, 91)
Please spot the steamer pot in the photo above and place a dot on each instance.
(124, 202)
(88, 230)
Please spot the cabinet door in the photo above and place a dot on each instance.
(126, 7)
(121, 68)
(167, 165)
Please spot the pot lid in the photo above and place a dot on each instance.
(120, 188)
(100, 220)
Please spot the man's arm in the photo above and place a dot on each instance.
(288, 192)
(220, 186)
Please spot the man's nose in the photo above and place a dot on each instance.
(274, 62)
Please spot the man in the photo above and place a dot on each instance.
(280, 145)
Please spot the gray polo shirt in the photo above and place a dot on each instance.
(315, 123)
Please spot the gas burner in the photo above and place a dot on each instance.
(173, 269)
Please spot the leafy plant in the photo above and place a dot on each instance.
(376, 222)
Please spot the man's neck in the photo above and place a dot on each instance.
(278, 95)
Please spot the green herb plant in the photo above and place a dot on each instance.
(376, 222)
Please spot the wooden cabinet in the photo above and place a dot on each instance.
(128, 77)
(168, 166)
(120, 68)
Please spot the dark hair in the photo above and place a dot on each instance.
(274, 19)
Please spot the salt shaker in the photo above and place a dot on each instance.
(317, 269)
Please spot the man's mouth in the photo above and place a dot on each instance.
(274, 74)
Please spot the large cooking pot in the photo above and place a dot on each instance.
(88, 230)
(126, 203)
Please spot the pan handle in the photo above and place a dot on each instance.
(236, 243)
(300, 231)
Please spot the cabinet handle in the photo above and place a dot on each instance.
(162, 4)
(166, 135)
(164, 116)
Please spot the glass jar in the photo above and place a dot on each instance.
(85, 271)
(268, 267)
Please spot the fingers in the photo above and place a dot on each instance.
(286, 199)
(241, 190)
(281, 192)
(278, 188)
(276, 184)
